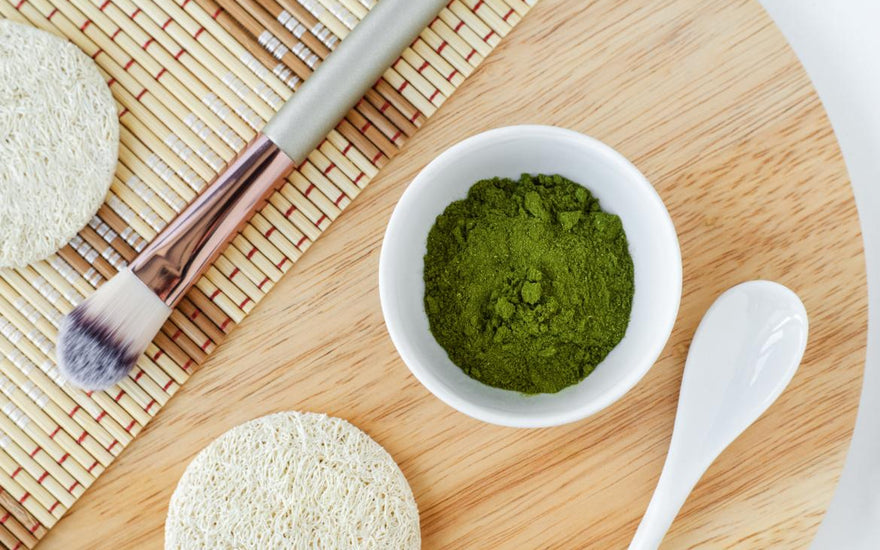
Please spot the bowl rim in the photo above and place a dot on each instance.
(486, 413)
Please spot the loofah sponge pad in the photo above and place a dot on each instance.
(59, 140)
(293, 480)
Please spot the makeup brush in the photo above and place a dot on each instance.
(103, 337)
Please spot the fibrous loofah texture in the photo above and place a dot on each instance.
(59, 140)
(293, 480)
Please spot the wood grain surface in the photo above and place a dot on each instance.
(710, 103)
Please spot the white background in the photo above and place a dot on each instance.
(838, 41)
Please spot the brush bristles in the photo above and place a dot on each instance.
(100, 341)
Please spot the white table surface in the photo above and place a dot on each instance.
(838, 41)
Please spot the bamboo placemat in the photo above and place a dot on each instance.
(193, 81)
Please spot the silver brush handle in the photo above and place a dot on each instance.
(177, 257)
(353, 67)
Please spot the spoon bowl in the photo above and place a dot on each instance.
(743, 355)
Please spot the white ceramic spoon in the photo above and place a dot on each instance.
(744, 353)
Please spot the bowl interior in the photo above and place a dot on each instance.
(508, 152)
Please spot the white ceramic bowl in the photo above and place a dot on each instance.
(508, 152)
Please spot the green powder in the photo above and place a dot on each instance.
(528, 284)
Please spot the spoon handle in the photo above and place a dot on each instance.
(677, 480)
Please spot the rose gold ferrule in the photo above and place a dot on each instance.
(178, 256)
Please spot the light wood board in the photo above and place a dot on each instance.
(710, 103)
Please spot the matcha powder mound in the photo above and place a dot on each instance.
(528, 284)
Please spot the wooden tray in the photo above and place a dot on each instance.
(709, 102)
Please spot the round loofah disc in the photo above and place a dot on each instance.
(59, 140)
(293, 480)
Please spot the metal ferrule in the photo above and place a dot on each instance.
(179, 255)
